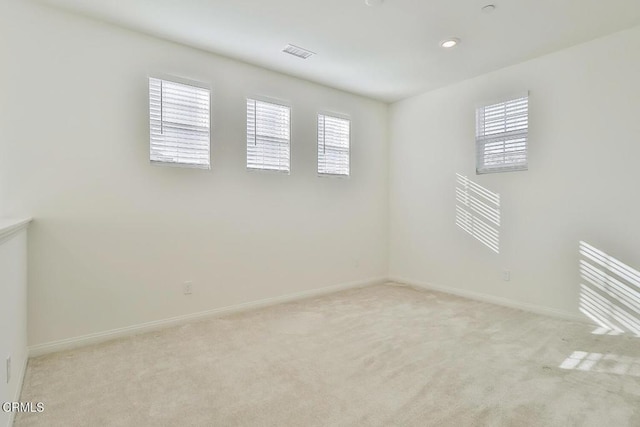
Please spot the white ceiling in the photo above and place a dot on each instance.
(387, 52)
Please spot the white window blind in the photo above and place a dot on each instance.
(501, 136)
(179, 123)
(333, 145)
(268, 136)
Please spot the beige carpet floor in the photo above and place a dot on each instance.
(378, 356)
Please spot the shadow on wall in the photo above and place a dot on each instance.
(609, 292)
(478, 212)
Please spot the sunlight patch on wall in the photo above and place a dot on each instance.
(610, 292)
(478, 212)
(605, 363)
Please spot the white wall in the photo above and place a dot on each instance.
(582, 182)
(13, 315)
(114, 237)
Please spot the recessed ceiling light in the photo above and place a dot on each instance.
(373, 3)
(489, 8)
(449, 43)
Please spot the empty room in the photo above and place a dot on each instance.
(337, 213)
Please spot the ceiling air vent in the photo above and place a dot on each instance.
(298, 51)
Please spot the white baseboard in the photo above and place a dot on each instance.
(70, 343)
(492, 299)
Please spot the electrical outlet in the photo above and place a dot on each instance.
(8, 369)
(187, 288)
(506, 275)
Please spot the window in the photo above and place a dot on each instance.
(333, 145)
(179, 123)
(268, 131)
(501, 136)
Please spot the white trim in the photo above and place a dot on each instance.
(98, 337)
(9, 227)
(492, 299)
(503, 98)
(70, 343)
(181, 165)
(182, 80)
(271, 100)
(271, 171)
(332, 113)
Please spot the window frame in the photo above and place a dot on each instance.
(187, 82)
(481, 168)
(337, 116)
(275, 101)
